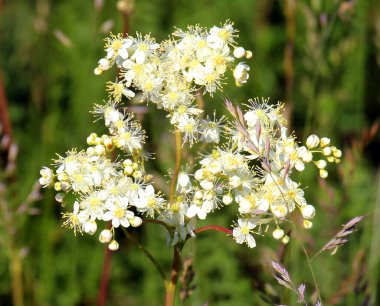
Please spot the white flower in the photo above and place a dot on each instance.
(279, 210)
(118, 213)
(47, 177)
(93, 205)
(183, 183)
(148, 201)
(219, 37)
(76, 219)
(197, 210)
(210, 130)
(242, 234)
(143, 48)
(112, 115)
(118, 46)
(241, 73)
(189, 128)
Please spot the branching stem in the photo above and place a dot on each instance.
(146, 253)
(157, 222)
(312, 273)
(213, 228)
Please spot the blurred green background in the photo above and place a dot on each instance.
(320, 57)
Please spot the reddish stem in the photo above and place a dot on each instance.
(213, 228)
(4, 113)
(104, 280)
(171, 285)
(102, 297)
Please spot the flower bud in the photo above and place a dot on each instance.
(105, 236)
(279, 211)
(90, 151)
(285, 240)
(323, 173)
(91, 139)
(325, 142)
(209, 196)
(278, 233)
(127, 162)
(321, 164)
(183, 179)
(234, 181)
(214, 168)
(248, 54)
(307, 224)
(98, 71)
(198, 195)
(312, 141)
(104, 64)
(113, 246)
(308, 211)
(108, 143)
(227, 199)
(57, 186)
(239, 52)
(59, 197)
(199, 175)
(65, 186)
(100, 149)
(128, 170)
(90, 227)
(337, 153)
(207, 185)
(305, 155)
(326, 151)
(63, 176)
(135, 221)
(137, 174)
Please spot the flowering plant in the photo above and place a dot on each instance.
(250, 163)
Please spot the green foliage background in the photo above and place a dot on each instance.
(334, 91)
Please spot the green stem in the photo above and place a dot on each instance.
(312, 273)
(15, 262)
(171, 285)
(158, 222)
(178, 154)
(16, 276)
(146, 253)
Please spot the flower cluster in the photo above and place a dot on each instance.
(171, 74)
(253, 171)
(105, 190)
(249, 165)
